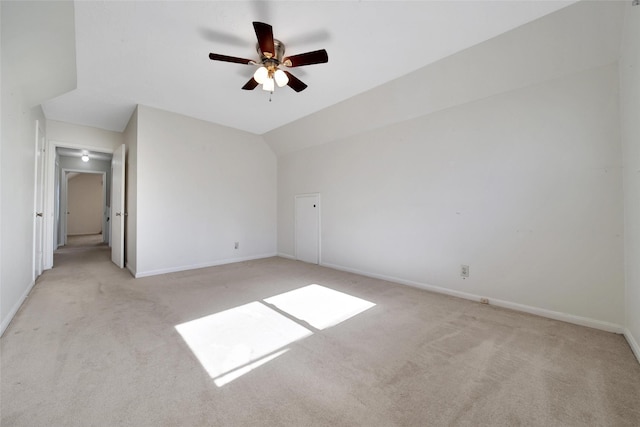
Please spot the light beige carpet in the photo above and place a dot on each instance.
(94, 347)
(84, 240)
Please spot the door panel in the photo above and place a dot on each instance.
(307, 228)
(117, 206)
(38, 235)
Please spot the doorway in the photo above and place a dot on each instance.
(69, 167)
(84, 198)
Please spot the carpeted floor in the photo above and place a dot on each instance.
(83, 240)
(94, 347)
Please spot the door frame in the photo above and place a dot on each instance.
(295, 221)
(50, 193)
(118, 202)
(65, 206)
(38, 201)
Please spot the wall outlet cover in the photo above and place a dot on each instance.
(464, 271)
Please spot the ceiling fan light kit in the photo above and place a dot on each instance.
(261, 75)
(268, 85)
(281, 78)
(271, 52)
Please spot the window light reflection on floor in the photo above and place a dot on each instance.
(233, 342)
(226, 341)
(230, 376)
(319, 306)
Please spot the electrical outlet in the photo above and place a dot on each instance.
(236, 245)
(464, 271)
(484, 300)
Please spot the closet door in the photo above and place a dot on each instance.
(307, 228)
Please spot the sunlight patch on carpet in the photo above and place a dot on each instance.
(319, 306)
(235, 338)
(233, 342)
(230, 376)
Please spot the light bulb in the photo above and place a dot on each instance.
(281, 78)
(85, 158)
(261, 75)
(268, 85)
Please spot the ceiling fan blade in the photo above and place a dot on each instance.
(250, 85)
(295, 83)
(309, 58)
(264, 32)
(225, 58)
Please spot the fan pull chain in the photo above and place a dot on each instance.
(270, 93)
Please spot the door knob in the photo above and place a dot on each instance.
(39, 214)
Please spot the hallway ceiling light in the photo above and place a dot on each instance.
(85, 157)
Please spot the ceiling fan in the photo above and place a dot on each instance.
(271, 53)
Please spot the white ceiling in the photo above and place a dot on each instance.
(156, 53)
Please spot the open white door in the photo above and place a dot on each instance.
(117, 206)
(307, 228)
(38, 204)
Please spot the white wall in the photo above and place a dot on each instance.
(2, 135)
(73, 135)
(17, 188)
(630, 112)
(84, 204)
(38, 61)
(200, 188)
(579, 37)
(524, 187)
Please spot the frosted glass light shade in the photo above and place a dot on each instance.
(281, 78)
(268, 85)
(261, 75)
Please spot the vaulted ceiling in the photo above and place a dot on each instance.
(156, 54)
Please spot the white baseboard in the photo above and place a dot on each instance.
(557, 315)
(569, 318)
(140, 274)
(632, 343)
(9, 317)
(283, 255)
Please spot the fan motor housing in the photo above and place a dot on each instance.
(278, 54)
